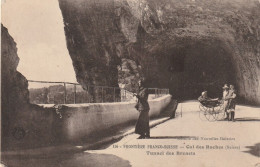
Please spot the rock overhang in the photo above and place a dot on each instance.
(150, 32)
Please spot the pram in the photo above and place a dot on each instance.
(212, 110)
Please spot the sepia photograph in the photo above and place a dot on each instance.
(130, 83)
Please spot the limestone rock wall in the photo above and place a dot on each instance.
(23, 125)
(186, 45)
(14, 84)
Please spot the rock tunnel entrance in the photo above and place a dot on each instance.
(187, 46)
(202, 65)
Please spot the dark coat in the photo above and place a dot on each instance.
(142, 96)
(142, 125)
(232, 99)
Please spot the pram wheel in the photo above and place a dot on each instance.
(220, 111)
(207, 113)
(202, 112)
(211, 114)
(211, 111)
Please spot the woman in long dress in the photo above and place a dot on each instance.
(142, 126)
(232, 102)
(226, 100)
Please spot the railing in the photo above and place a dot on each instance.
(45, 92)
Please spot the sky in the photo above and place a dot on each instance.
(37, 28)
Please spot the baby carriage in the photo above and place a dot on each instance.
(211, 110)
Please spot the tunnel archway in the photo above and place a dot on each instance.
(203, 65)
(218, 42)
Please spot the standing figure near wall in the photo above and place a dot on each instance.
(142, 126)
(232, 102)
(226, 100)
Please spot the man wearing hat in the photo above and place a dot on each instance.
(232, 102)
(226, 99)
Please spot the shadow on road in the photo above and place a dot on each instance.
(173, 137)
(74, 160)
(248, 119)
(254, 150)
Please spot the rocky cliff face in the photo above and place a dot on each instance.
(14, 92)
(23, 125)
(14, 85)
(186, 45)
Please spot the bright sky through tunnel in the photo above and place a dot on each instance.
(37, 28)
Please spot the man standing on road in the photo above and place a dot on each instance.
(232, 102)
(226, 100)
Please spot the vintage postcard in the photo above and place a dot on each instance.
(142, 83)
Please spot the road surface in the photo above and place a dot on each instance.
(184, 141)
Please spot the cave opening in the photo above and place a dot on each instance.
(199, 66)
(178, 61)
